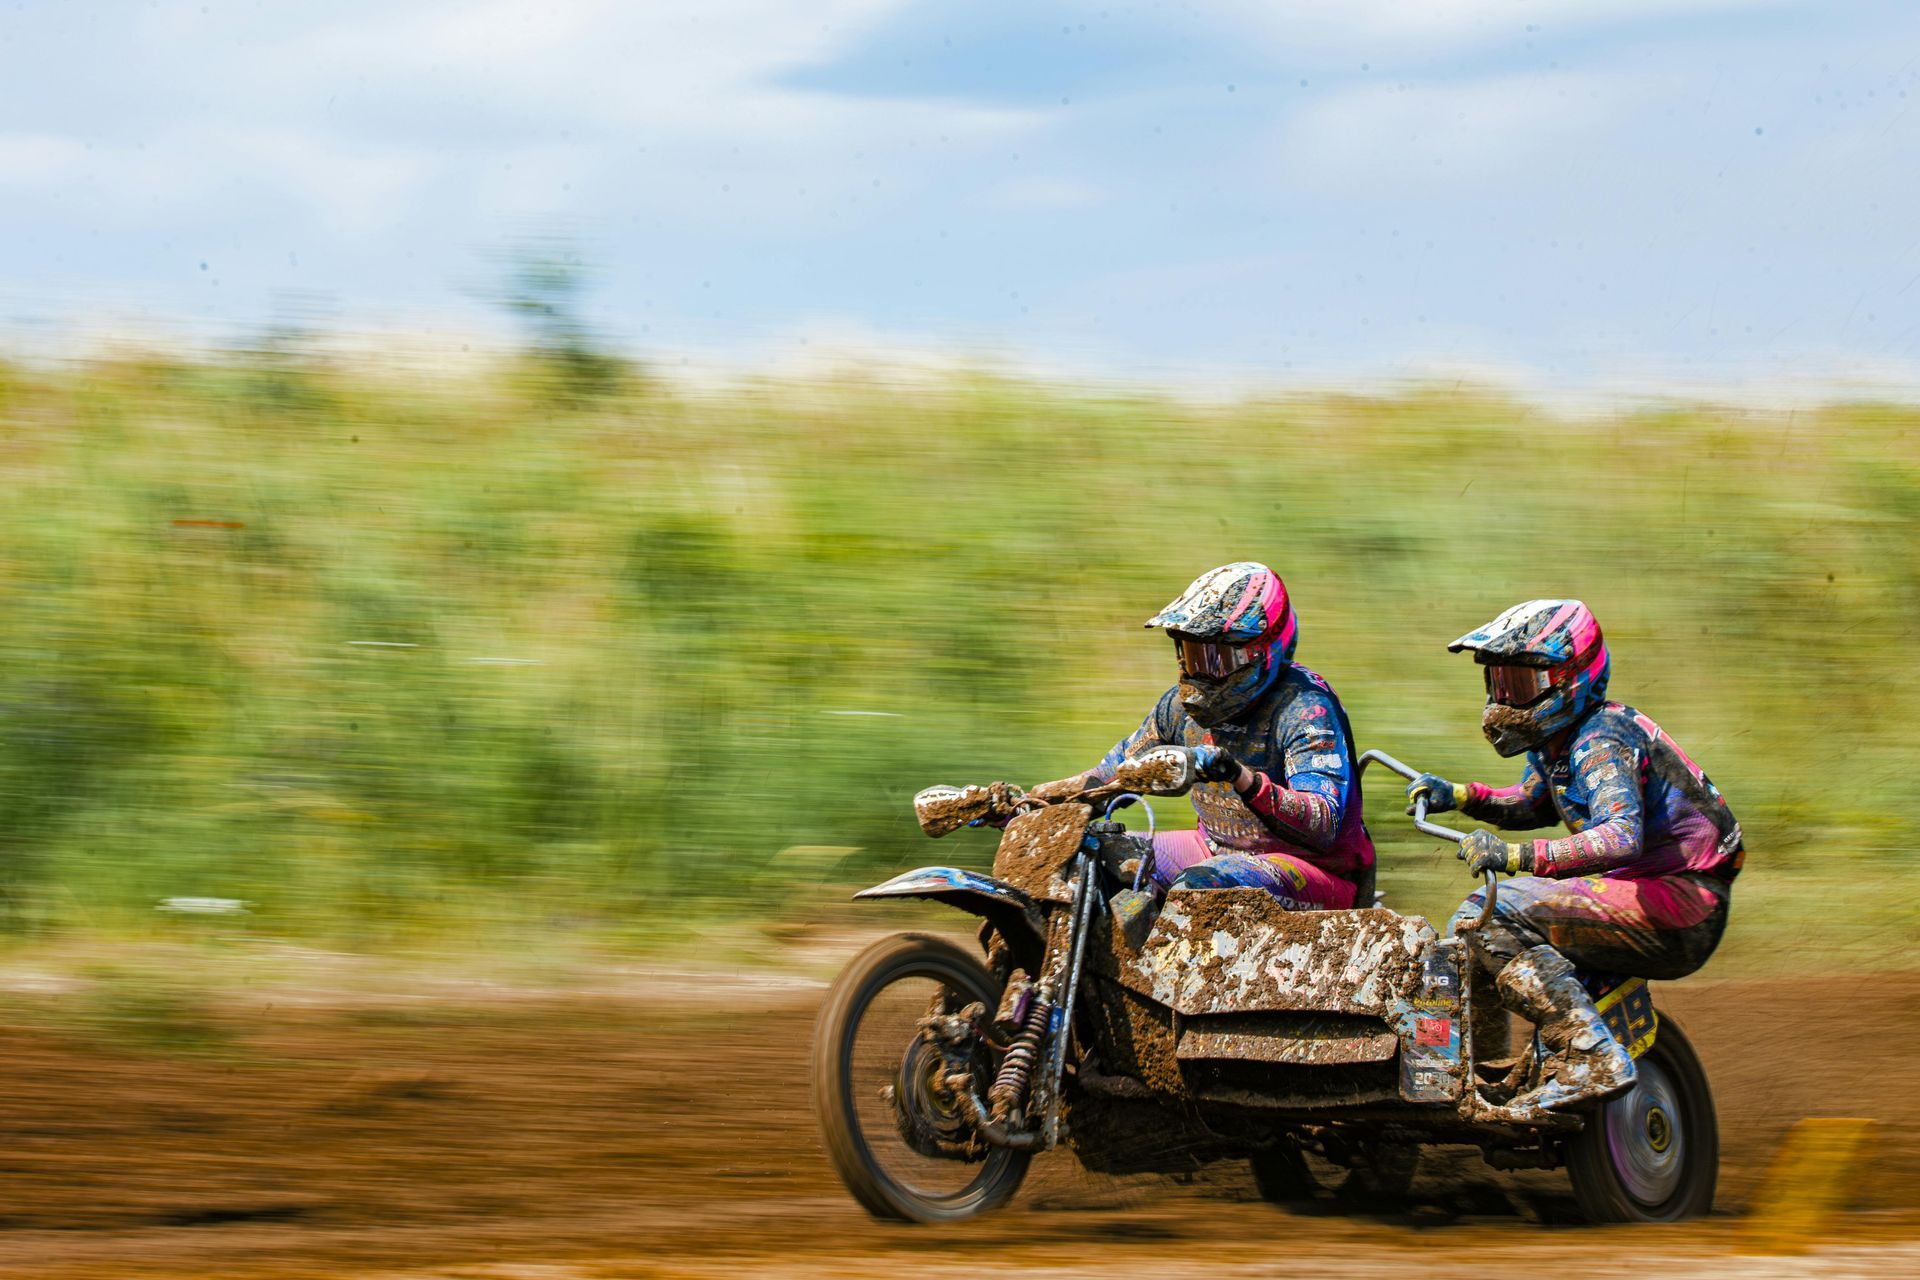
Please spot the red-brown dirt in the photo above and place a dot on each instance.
(666, 1131)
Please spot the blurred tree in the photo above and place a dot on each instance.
(546, 284)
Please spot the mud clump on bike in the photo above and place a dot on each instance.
(1038, 846)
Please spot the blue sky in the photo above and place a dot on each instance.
(1716, 190)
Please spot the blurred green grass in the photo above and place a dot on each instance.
(395, 652)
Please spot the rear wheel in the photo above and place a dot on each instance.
(1652, 1154)
(904, 1150)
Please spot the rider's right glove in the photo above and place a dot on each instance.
(1442, 796)
(1214, 764)
(1485, 851)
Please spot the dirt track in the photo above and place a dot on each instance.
(663, 1131)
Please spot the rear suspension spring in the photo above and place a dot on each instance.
(1017, 1067)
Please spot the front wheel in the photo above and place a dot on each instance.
(902, 1152)
(1652, 1154)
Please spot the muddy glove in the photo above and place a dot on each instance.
(1485, 851)
(1215, 764)
(1442, 796)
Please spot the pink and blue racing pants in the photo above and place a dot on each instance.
(1660, 927)
(1184, 860)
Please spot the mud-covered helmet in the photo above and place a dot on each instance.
(1546, 666)
(1234, 632)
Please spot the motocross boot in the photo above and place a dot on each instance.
(1492, 1023)
(1492, 1037)
(1585, 1063)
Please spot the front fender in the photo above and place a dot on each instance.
(1007, 908)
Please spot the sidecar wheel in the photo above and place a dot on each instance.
(1281, 1175)
(1383, 1175)
(1653, 1154)
(865, 1061)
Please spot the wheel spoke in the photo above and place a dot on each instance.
(897, 1069)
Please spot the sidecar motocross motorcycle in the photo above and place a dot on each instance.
(1156, 1033)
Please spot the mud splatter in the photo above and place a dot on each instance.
(941, 810)
(1306, 1039)
(1037, 848)
(1237, 951)
(1157, 771)
(1136, 1037)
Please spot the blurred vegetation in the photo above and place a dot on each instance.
(393, 649)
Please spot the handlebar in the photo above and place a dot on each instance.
(1435, 829)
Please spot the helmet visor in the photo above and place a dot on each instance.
(1513, 686)
(1207, 658)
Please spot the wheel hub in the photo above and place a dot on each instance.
(1659, 1134)
(1644, 1137)
(932, 1118)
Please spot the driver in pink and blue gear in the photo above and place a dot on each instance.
(1643, 883)
(1278, 797)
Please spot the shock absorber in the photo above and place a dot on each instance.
(1017, 1067)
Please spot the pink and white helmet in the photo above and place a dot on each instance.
(1234, 631)
(1546, 668)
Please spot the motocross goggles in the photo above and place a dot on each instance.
(1513, 686)
(1210, 658)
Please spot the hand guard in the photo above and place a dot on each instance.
(1159, 771)
(1485, 851)
(940, 810)
(1442, 796)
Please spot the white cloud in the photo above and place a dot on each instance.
(1389, 26)
(1412, 137)
(353, 115)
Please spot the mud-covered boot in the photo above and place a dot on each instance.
(1492, 1024)
(1492, 1027)
(1585, 1063)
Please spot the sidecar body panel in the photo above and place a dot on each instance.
(1217, 951)
(1302, 1039)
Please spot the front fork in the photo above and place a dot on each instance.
(1022, 1107)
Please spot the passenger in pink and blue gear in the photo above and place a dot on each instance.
(1279, 800)
(1643, 883)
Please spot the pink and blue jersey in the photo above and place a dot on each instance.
(1296, 739)
(1637, 806)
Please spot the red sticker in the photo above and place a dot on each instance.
(1433, 1031)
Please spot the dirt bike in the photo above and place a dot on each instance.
(1154, 1033)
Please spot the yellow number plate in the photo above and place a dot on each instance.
(1628, 1013)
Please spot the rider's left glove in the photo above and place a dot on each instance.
(1485, 851)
